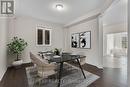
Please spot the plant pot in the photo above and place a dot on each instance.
(17, 63)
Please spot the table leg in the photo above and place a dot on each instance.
(42, 56)
(81, 68)
(60, 73)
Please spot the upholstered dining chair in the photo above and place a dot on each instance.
(44, 68)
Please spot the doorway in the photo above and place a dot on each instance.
(116, 50)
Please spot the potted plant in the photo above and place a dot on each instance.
(16, 46)
(57, 51)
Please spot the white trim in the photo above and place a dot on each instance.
(106, 5)
(3, 74)
(85, 17)
(128, 63)
(91, 14)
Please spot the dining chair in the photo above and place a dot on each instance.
(44, 68)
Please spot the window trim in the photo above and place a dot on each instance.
(43, 28)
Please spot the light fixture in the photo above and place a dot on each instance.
(59, 7)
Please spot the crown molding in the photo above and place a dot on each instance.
(91, 15)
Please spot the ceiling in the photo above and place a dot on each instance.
(116, 13)
(43, 9)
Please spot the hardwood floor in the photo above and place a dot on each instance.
(109, 77)
(115, 62)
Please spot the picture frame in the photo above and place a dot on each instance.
(75, 40)
(85, 40)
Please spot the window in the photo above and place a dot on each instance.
(124, 42)
(43, 36)
(47, 37)
(40, 37)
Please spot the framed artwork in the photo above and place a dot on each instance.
(85, 39)
(75, 40)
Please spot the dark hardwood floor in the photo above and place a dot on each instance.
(108, 77)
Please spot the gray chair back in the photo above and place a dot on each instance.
(37, 60)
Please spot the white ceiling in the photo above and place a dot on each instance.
(43, 9)
(116, 13)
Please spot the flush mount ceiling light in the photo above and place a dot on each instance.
(59, 7)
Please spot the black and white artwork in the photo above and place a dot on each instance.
(75, 40)
(85, 40)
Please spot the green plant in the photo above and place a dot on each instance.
(57, 51)
(16, 46)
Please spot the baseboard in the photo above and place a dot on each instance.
(100, 67)
(97, 66)
(3, 75)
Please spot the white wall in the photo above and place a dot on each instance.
(25, 27)
(3, 47)
(110, 43)
(115, 28)
(116, 13)
(92, 55)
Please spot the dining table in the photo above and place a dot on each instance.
(61, 59)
